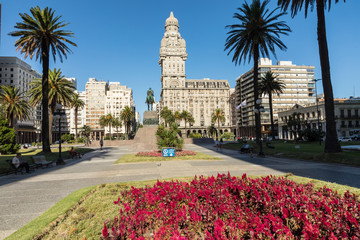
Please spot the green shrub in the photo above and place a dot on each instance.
(67, 137)
(195, 135)
(169, 137)
(228, 136)
(8, 143)
(81, 140)
(109, 138)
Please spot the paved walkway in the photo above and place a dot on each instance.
(24, 197)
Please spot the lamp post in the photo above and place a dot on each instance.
(258, 109)
(57, 115)
(317, 108)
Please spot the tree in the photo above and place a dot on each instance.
(127, 116)
(77, 104)
(117, 124)
(177, 116)
(169, 137)
(270, 85)
(188, 118)
(107, 120)
(167, 115)
(257, 32)
(14, 104)
(331, 141)
(211, 131)
(41, 33)
(218, 116)
(60, 90)
(8, 143)
(86, 131)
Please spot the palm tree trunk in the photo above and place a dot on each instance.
(76, 121)
(271, 116)
(331, 142)
(110, 130)
(51, 119)
(185, 129)
(256, 93)
(45, 98)
(218, 131)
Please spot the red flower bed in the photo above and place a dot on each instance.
(226, 207)
(159, 154)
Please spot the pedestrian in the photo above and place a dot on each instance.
(221, 143)
(101, 144)
(18, 164)
(217, 143)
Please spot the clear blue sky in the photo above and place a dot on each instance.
(120, 41)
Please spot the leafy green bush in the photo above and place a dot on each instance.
(169, 137)
(195, 135)
(67, 137)
(228, 136)
(81, 140)
(109, 138)
(8, 143)
(311, 135)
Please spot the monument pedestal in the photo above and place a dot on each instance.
(150, 118)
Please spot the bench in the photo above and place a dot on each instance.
(40, 161)
(15, 170)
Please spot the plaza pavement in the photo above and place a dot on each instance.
(24, 197)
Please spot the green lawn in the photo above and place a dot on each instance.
(81, 215)
(306, 151)
(131, 158)
(28, 153)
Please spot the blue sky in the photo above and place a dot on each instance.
(120, 40)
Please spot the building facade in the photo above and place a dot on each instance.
(299, 89)
(347, 117)
(15, 72)
(198, 96)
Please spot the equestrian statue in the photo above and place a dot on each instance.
(150, 99)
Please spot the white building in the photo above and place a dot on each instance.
(17, 73)
(201, 96)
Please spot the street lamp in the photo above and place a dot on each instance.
(258, 110)
(317, 109)
(57, 115)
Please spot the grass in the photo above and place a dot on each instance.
(306, 151)
(131, 158)
(83, 213)
(28, 153)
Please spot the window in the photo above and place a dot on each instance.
(342, 113)
(349, 113)
(11, 69)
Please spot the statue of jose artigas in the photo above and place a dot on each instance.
(150, 99)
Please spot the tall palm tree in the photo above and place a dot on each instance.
(257, 32)
(167, 115)
(60, 90)
(331, 141)
(269, 85)
(177, 116)
(14, 104)
(127, 116)
(107, 120)
(117, 124)
(40, 33)
(218, 116)
(77, 104)
(186, 116)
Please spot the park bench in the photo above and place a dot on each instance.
(15, 170)
(40, 161)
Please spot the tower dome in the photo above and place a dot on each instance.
(171, 21)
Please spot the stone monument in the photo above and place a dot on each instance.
(150, 116)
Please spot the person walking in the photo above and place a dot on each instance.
(217, 144)
(101, 144)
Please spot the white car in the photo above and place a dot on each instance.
(345, 139)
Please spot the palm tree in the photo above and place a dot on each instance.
(86, 131)
(77, 104)
(187, 118)
(218, 116)
(177, 116)
(117, 124)
(127, 116)
(60, 90)
(167, 115)
(14, 104)
(107, 120)
(257, 32)
(331, 142)
(41, 33)
(270, 85)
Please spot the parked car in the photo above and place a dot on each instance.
(355, 137)
(345, 139)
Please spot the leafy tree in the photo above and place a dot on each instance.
(211, 131)
(257, 32)
(169, 137)
(107, 120)
(218, 116)
(41, 33)
(8, 143)
(177, 116)
(331, 142)
(228, 135)
(60, 90)
(77, 104)
(293, 125)
(127, 116)
(188, 118)
(270, 85)
(86, 131)
(117, 124)
(67, 137)
(14, 104)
